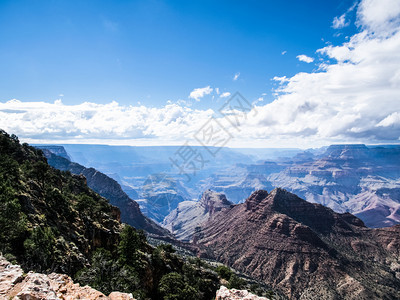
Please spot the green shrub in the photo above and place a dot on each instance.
(173, 287)
(224, 272)
(40, 247)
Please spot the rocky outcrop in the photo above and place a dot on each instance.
(304, 249)
(232, 294)
(184, 220)
(111, 190)
(14, 284)
(57, 150)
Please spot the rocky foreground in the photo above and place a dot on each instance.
(232, 294)
(14, 284)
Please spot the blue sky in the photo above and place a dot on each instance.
(155, 72)
(154, 51)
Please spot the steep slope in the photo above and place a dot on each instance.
(49, 220)
(184, 220)
(111, 190)
(305, 249)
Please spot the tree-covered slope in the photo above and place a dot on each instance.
(52, 222)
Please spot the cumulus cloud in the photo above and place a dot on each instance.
(199, 93)
(225, 95)
(283, 52)
(88, 121)
(236, 76)
(305, 58)
(379, 15)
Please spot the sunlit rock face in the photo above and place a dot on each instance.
(303, 249)
(189, 215)
(14, 284)
(232, 294)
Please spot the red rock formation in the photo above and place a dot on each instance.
(303, 248)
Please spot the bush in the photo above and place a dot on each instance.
(173, 287)
(224, 272)
(40, 247)
(131, 242)
(13, 222)
(106, 274)
(235, 282)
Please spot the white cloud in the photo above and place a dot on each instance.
(282, 79)
(379, 15)
(340, 22)
(260, 99)
(217, 91)
(390, 120)
(283, 52)
(199, 93)
(236, 76)
(305, 58)
(89, 121)
(225, 95)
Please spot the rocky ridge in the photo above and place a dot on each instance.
(304, 249)
(184, 220)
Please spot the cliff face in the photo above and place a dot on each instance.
(184, 220)
(304, 249)
(111, 190)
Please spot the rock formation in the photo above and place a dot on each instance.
(232, 294)
(304, 249)
(184, 220)
(14, 284)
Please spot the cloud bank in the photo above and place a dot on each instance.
(354, 96)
